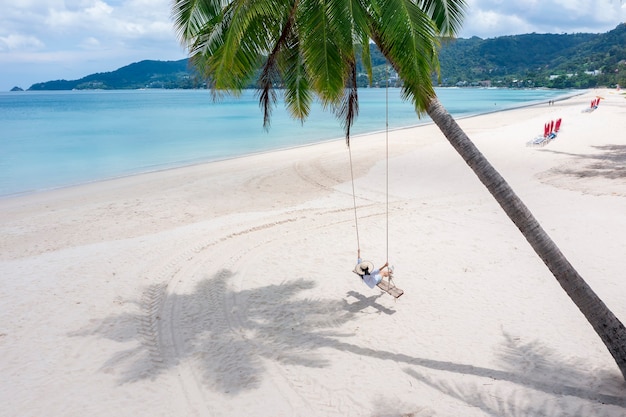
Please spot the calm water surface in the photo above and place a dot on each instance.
(57, 139)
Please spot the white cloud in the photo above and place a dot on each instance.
(129, 20)
(90, 43)
(483, 23)
(14, 42)
(92, 16)
(489, 18)
(73, 38)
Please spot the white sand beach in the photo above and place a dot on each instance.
(225, 289)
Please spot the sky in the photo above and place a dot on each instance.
(44, 40)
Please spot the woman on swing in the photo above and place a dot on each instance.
(369, 274)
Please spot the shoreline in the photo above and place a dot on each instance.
(191, 163)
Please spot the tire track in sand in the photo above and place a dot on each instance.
(165, 327)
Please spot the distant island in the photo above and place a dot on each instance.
(144, 74)
(521, 61)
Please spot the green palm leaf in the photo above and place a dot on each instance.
(298, 94)
(446, 14)
(407, 37)
(324, 31)
(190, 16)
(271, 73)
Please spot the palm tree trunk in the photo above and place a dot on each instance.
(604, 322)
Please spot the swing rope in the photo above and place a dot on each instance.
(356, 217)
(390, 278)
(387, 157)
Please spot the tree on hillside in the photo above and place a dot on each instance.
(309, 47)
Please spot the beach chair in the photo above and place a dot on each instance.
(541, 140)
(557, 126)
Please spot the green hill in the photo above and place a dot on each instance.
(537, 60)
(476, 59)
(144, 74)
(580, 60)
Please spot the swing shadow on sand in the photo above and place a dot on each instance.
(362, 303)
(230, 336)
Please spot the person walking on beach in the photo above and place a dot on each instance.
(370, 275)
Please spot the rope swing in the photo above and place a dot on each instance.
(361, 269)
(356, 217)
(388, 286)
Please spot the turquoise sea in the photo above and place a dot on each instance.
(57, 139)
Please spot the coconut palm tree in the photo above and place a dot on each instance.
(311, 47)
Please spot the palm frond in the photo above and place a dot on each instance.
(447, 15)
(309, 46)
(229, 39)
(349, 107)
(190, 16)
(298, 93)
(270, 74)
(407, 36)
(243, 40)
(358, 13)
(325, 31)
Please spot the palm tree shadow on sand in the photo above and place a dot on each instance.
(232, 337)
(229, 335)
(609, 162)
(556, 387)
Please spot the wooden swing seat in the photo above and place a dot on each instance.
(390, 288)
